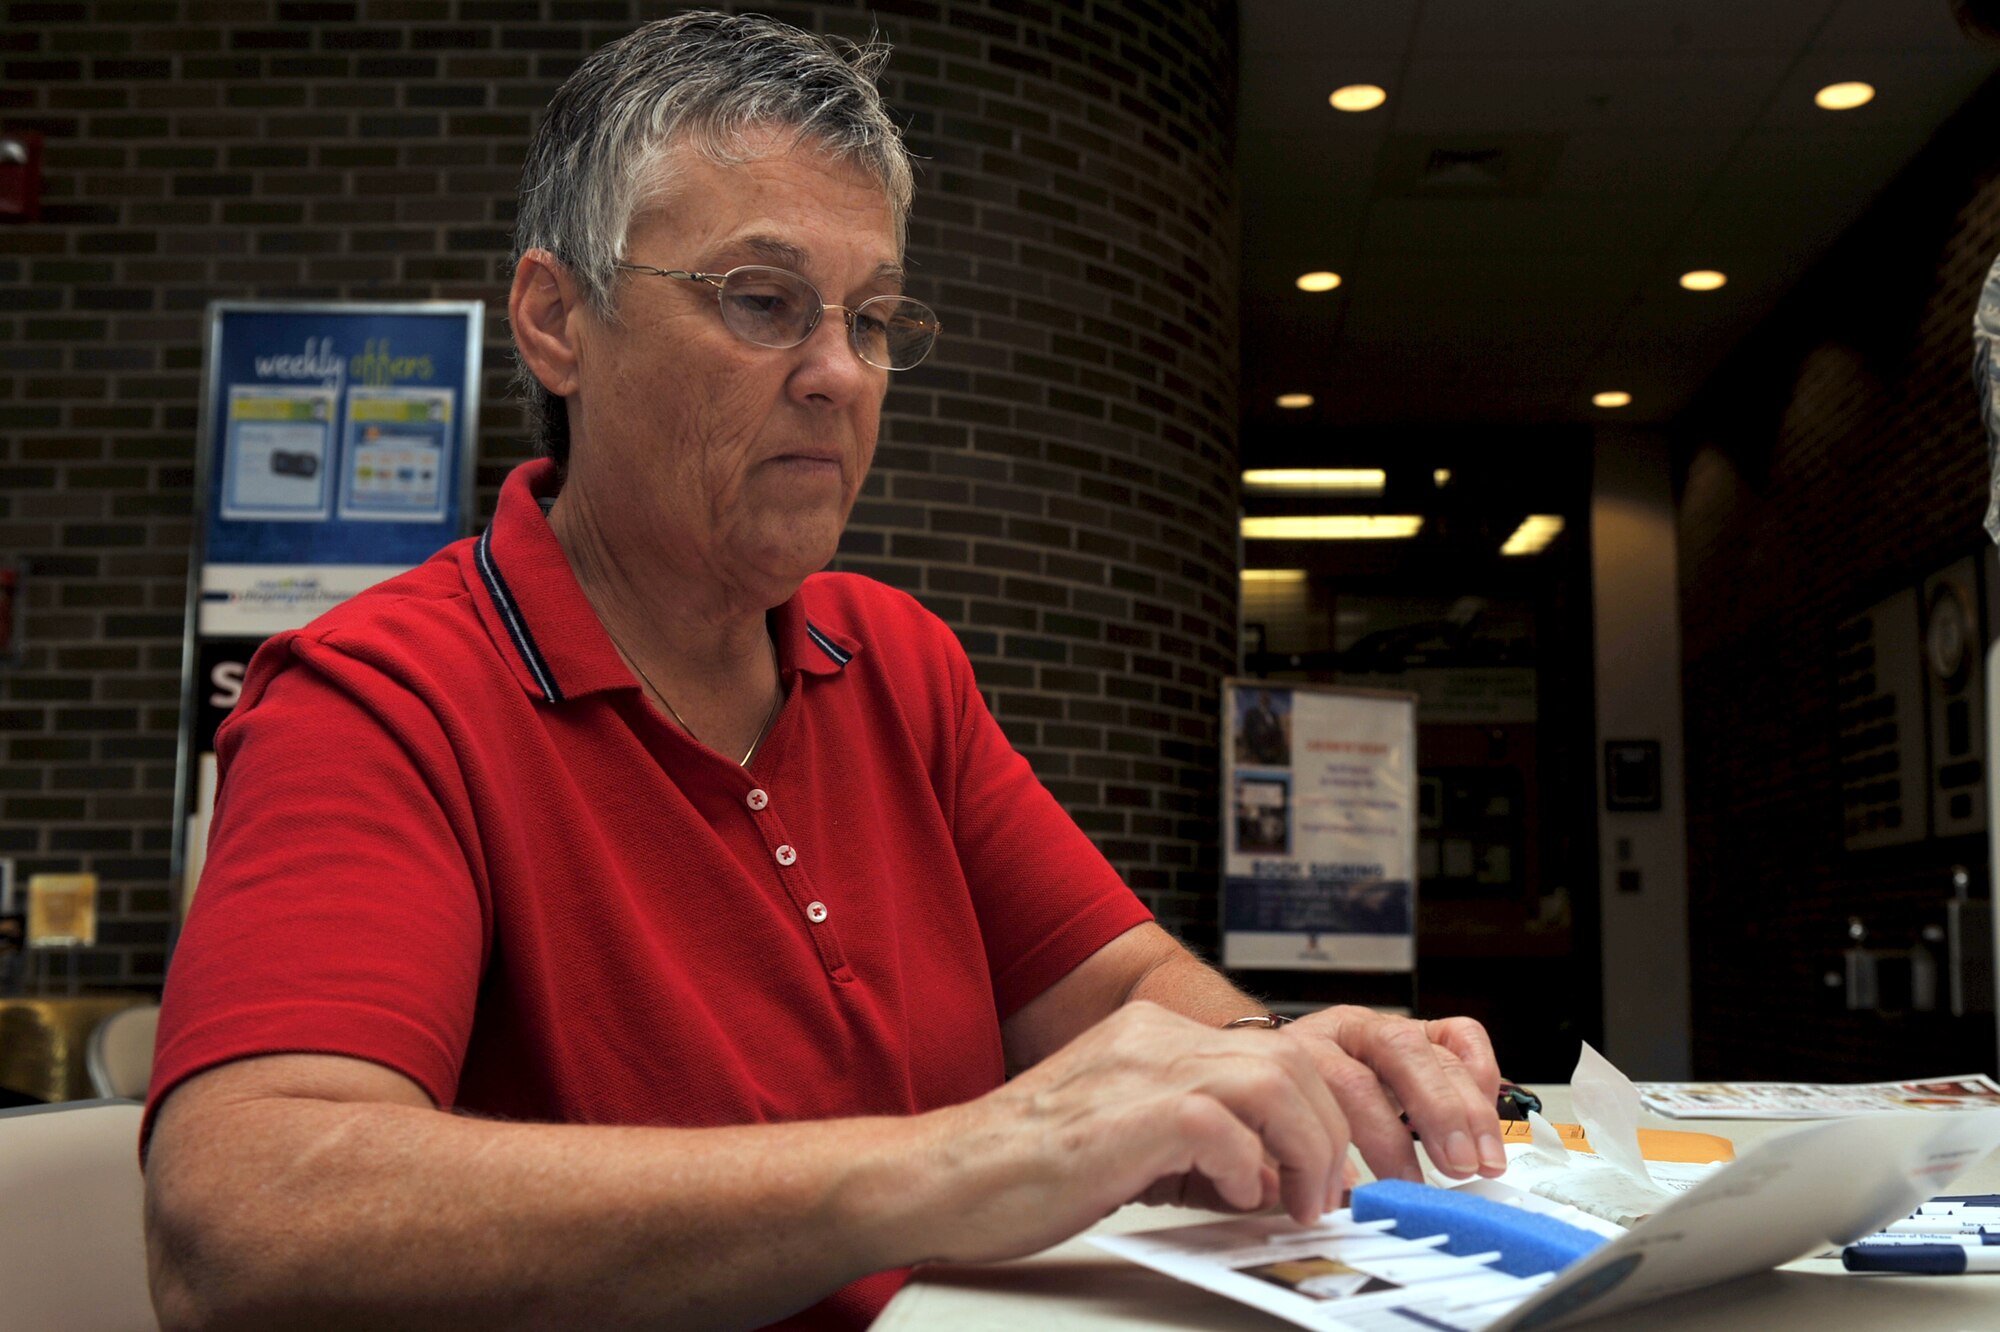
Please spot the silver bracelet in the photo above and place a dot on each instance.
(1272, 1020)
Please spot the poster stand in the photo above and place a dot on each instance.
(336, 448)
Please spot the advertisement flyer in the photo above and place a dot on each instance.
(276, 452)
(1319, 822)
(398, 454)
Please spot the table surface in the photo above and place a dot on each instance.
(1075, 1287)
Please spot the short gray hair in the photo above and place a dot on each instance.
(707, 80)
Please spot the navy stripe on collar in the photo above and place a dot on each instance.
(832, 649)
(510, 615)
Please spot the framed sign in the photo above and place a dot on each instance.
(336, 450)
(1320, 809)
(1632, 776)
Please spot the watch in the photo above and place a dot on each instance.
(1258, 1020)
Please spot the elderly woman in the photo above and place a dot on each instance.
(698, 885)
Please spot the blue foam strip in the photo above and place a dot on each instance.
(1528, 1242)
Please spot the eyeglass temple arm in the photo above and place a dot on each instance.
(712, 279)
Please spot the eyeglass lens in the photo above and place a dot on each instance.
(774, 308)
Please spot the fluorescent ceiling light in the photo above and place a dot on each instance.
(1611, 398)
(1334, 527)
(1294, 401)
(1274, 575)
(1357, 97)
(1318, 281)
(1535, 532)
(1844, 96)
(1703, 279)
(1316, 480)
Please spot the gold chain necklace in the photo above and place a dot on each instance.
(674, 712)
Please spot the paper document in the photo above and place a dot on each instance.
(1338, 1276)
(1816, 1100)
(1786, 1198)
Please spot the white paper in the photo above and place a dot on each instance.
(1816, 1100)
(1784, 1199)
(1337, 1276)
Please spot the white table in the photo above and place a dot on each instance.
(1075, 1287)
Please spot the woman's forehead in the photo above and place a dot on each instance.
(799, 208)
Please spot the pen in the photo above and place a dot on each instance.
(1513, 1103)
(1923, 1259)
(1894, 1241)
(1516, 1102)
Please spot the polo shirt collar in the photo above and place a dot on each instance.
(805, 646)
(544, 625)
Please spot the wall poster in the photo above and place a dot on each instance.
(1319, 792)
(336, 449)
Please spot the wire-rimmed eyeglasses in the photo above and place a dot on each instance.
(773, 307)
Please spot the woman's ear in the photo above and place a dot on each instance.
(542, 309)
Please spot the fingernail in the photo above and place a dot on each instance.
(1458, 1152)
(1492, 1155)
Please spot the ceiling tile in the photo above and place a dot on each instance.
(1576, 92)
(1519, 226)
(1825, 158)
(1877, 25)
(1286, 27)
(1612, 27)
(1639, 162)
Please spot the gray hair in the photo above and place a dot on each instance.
(707, 80)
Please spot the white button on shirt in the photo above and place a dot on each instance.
(757, 799)
(786, 855)
(816, 912)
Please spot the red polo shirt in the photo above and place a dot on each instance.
(453, 838)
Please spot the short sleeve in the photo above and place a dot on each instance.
(340, 909)
(1045, 895)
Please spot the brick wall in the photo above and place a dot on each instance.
(1837, 459)
(1059, 484)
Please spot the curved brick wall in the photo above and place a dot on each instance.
(1062, 486)
(1059, 484)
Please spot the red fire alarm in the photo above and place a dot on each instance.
(20, 176)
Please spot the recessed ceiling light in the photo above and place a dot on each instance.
(1535, 532)
(1611, 398)
(1703, 279)
(1844, 96)
(1274, 575)
(1334, 527)
(1293, 401)
(1320, 281)
(1441, 477)
(1316, 480)
(1357, 97)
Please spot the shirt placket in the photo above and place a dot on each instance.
(790, 863)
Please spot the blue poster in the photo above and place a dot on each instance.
(339, 434)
